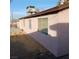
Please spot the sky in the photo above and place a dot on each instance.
(18, 7)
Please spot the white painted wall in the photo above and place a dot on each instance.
(57, 42)
(63, 32)
(58, 26)
(34, 25)
(20, 24)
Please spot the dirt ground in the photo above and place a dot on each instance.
(23, 46)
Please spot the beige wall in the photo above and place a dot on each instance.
(63, 32)
(53, 19)
(18, 24)
(34, 25)
(57, 42)
(21, 24)
(59, 30)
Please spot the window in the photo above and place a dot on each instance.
(43, 25)
(30, 24)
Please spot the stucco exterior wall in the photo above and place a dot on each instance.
(52, 20)
(49, 42)
(20, 24)
(57, 40)
(34, 25)
(63, 32)
(59, 29)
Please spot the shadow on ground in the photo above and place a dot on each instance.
(23, 47)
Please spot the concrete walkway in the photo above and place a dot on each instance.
(23, 46)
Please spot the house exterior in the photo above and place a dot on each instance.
(13, 23)
(50, 28)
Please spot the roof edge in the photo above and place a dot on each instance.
(49, 11)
